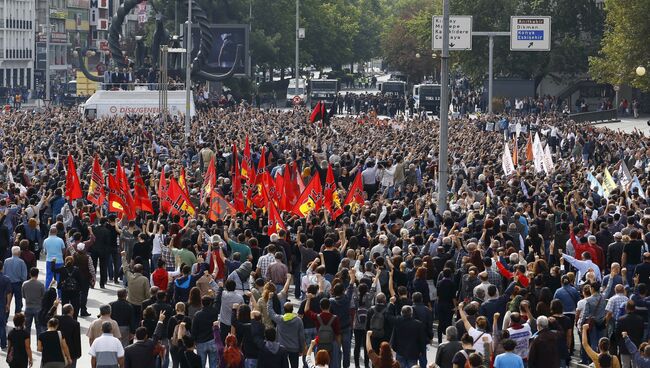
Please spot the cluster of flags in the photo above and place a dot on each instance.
(626, 181)
(120, 197)
(535, 152)
(251, 187)
(320, 112)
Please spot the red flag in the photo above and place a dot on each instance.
(275, 220)
(301, 184)
(332, 201)
(163, 187)
(247, 168)
(116, 199)
(261, 167)
(355, 194)
(279, 190)
(126, 190)
(142, 201)
(219, 207)
(237, 193)
(311, 198)
(72, 185)
(188, 207)
(209, 181)
(317, 112)
(176, 197)
(291, 191)
(96, 193)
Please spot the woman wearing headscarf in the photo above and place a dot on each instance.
(241, 277)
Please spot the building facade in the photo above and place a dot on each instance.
(17, 25)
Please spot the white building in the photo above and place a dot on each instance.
(17, 31)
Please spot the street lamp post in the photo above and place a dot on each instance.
(188, 72)
(47, 55)
(444, 111)
(297, 71)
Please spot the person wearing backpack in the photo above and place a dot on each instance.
(328, 328)
(377, 322)
(340, 305)
(461, 359)
(69, 284)
(363, 299)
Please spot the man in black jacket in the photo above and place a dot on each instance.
(272, 355)
(143, 352)
(101, 250)
(202, 333)
(632, 324)
(422, 313)
(122, 313)
(409, 339)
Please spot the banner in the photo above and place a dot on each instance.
(506, 161)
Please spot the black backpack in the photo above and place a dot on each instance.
(70, 283)
(377, 324)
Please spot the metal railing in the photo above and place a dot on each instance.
(595, 116)
(140, 86)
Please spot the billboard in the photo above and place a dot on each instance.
(225, 38)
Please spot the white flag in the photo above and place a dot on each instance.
(506, 161)
(624, 176)
(548, 160)
(538, 154)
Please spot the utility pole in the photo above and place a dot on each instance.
(188, 72)
(47, 55)
(297, 72)
(491, 36)
(444, 111)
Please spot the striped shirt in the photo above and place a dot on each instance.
(107, 349)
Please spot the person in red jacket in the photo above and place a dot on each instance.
(587, 244)
(160, 277)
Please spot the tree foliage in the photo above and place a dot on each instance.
(338, 32)
(576, 30)
(624, 46)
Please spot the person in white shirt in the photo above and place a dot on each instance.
(107, 350)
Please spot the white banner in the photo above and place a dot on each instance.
(506, 161)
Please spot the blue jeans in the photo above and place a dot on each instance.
(403, 362)
(335, 359)
(249, 363)
(31, 314)
(310, 334)
(49, 274)
(17, 290)
(346, 341)
(207, 351)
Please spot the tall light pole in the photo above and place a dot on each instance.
(296, 72)
(444, 111)
(188, 72)
(47, 55)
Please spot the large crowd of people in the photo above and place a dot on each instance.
(509, 275)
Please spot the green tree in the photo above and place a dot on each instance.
(407, 34)
(576, 29)
(624, 45)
